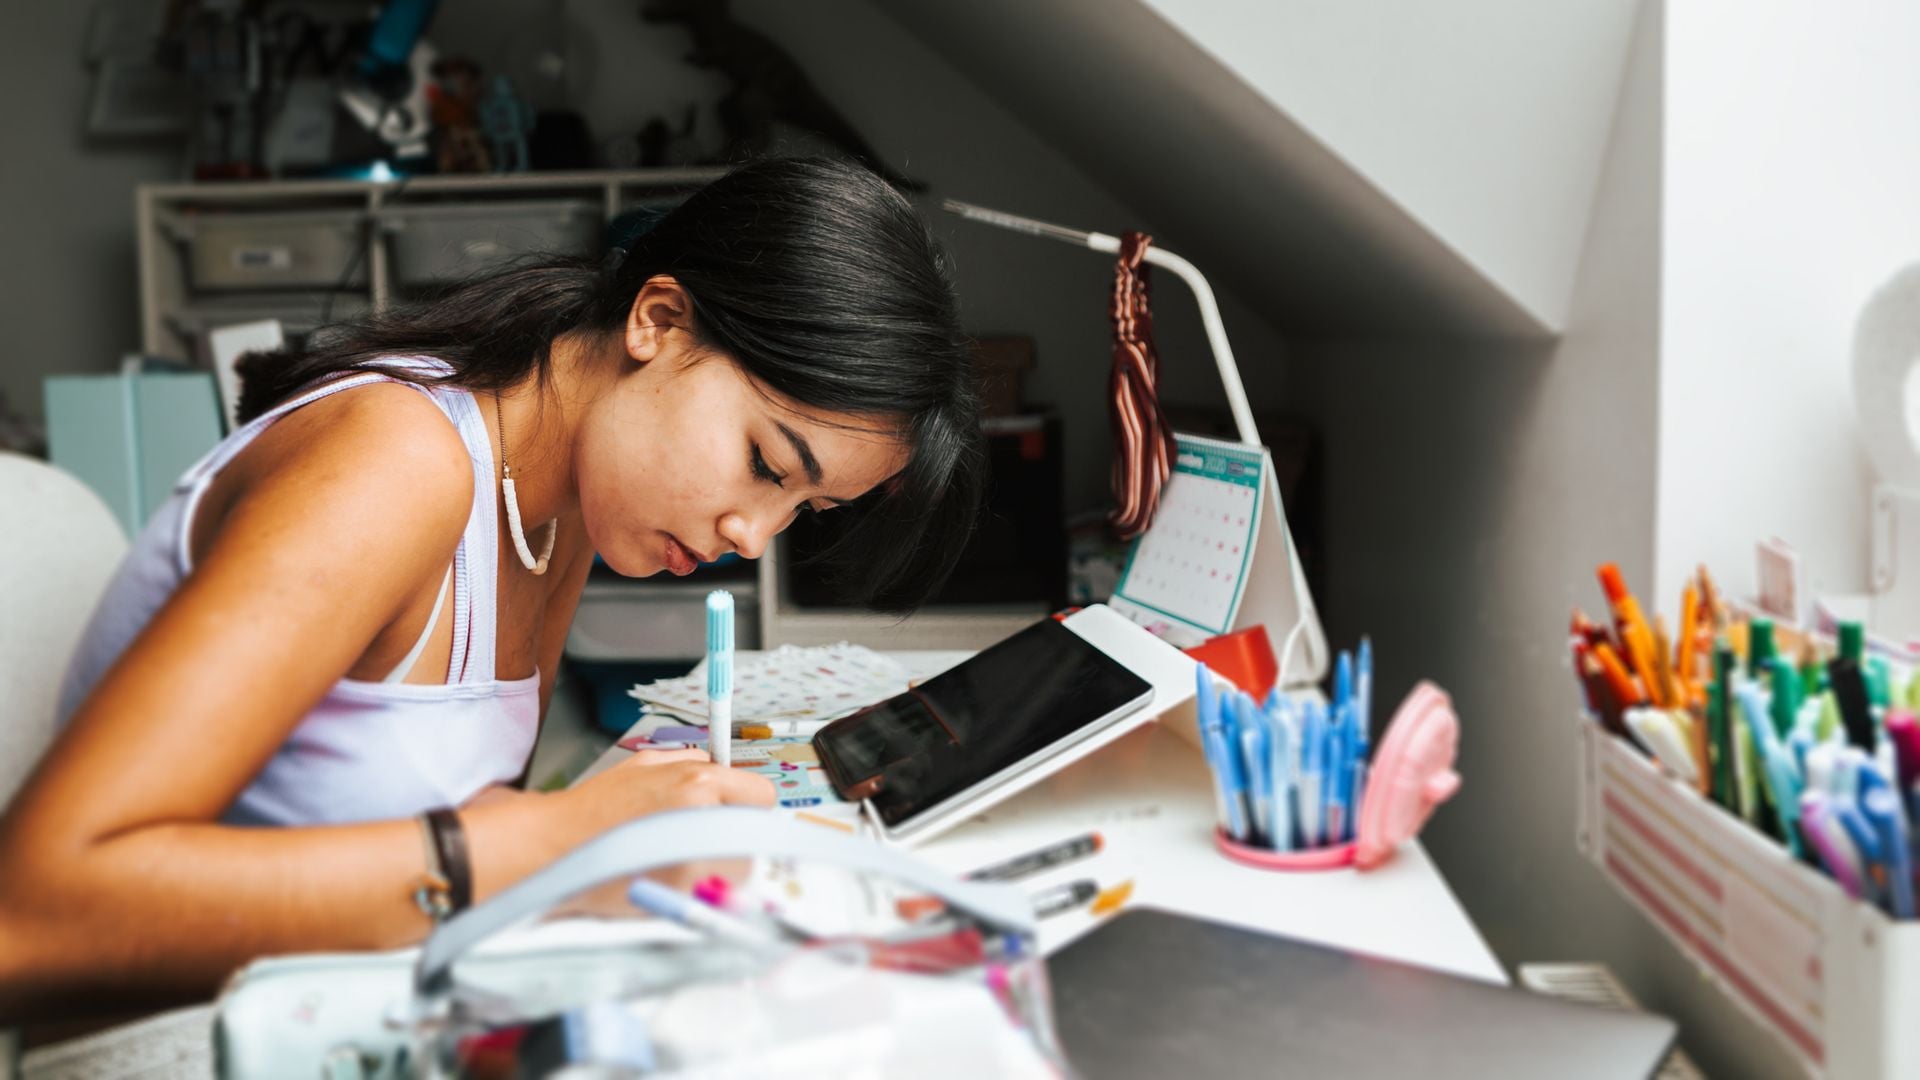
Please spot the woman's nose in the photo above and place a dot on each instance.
(749, 533)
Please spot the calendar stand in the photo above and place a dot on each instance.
(1210, 478)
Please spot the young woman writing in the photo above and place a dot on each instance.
(328, 654)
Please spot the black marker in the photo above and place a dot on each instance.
(1062, 898)
(1045, 858)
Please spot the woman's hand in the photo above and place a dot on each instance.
(656, 780)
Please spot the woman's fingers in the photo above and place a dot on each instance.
(665, 757)
(739, 787)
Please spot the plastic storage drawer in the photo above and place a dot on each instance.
(300, 250)
(437, 244)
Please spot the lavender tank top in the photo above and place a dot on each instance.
(369, 750)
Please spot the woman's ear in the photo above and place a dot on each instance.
(661, 307)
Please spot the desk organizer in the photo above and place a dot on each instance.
(1835, 980)
(1412, 775)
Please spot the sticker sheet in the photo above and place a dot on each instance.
(789, 683)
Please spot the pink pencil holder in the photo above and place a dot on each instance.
(1412, 773)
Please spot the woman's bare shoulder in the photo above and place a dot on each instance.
(383, 451)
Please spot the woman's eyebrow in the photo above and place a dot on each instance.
(808, 462)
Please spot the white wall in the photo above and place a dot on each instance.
(1755, 189)
(1792, 192)
(1484, 118)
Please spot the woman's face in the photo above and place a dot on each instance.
(687, 458)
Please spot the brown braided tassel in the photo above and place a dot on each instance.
(1143, 446)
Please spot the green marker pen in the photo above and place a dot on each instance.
(1759, 646)
(1785, 703)
(1746, 767)
(1722, 789)
(1853, 641)
(1879, 683)
(1829, 717)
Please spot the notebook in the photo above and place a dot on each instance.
(1154, 994)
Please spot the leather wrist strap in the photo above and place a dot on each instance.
(450, 852)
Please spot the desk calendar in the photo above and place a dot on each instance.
(1218, 558)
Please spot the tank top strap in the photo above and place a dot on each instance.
(477, 562)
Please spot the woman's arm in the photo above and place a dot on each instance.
(117, 885)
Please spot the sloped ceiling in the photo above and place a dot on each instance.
(1283, 213)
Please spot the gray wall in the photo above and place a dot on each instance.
(1473, 489)
(67, 282)
(69, 301)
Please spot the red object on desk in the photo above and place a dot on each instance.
(1244, 658)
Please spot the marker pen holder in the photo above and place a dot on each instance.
(1411, 774)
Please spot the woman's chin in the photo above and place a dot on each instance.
(632, 566)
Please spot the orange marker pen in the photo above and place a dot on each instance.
(1634, 633)
(1663, 671)
(1684, 663)
(1625, 690)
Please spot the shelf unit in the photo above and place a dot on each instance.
(176, 309)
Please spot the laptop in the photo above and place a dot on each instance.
(1154, 994)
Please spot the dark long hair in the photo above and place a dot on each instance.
(812, 273)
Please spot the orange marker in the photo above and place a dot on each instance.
(1111, 900)
(1634, 633)
(1689, 632)
(1625, 690)
(1670, 694)
(1715, 612)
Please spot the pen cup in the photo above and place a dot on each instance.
(1412, 773)
(1331, 857)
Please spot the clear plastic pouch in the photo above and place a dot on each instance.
(735, 943)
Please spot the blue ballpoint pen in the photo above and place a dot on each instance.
(1259, 771)
(1313, 757)
(1864, 836)
(1207, 719)
(1232, 791)
(1798, 745)
(1342, 679)
(1881, 806)
(1363, 690)
(1283, 758)
(1339, 772)
(1223, 745)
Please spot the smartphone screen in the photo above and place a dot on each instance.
(988, 714)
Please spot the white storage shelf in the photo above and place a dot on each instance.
(306, 251)
(1835, 980)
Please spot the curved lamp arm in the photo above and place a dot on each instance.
(1158, 256)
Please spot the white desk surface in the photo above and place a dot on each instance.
(1149, 796)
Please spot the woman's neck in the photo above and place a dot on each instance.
(540, 423)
